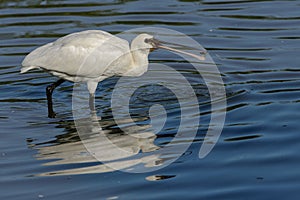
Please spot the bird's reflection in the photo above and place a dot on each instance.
(158, 131)
(69, 149)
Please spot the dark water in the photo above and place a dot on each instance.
(255, 45)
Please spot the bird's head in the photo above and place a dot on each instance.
(147, 43)
(154, 43)
(141, 42)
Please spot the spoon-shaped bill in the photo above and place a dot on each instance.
(200, 57)
(159, 44)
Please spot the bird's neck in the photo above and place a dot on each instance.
(140, 62)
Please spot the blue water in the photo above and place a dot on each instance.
(255, 45)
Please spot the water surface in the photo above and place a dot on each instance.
(255, 45)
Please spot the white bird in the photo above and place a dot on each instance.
(92, 56)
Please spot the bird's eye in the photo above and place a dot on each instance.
(147, 40)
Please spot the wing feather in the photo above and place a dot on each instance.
(87, 54)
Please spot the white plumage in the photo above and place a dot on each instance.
(91, 56)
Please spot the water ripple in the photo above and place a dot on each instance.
(256, 47)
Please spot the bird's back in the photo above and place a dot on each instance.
(86, 54)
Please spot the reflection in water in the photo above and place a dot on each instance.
(102, 145)
(74, 152)
(134, 147)
(256, 46)
(159, 177)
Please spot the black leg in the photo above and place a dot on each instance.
(49, 91)
(92, 102)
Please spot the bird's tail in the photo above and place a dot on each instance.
(26, 69)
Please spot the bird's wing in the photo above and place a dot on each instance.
(87, 54)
